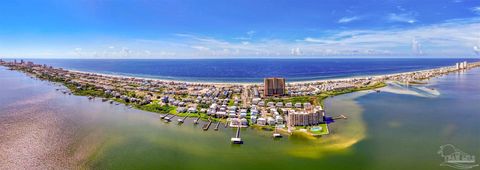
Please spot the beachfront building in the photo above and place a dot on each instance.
(274, 86)
(306, 117)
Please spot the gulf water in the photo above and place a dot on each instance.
(249, 70)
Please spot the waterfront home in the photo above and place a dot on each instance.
(221, 114)
(288, 105)
(261, 103)
(261, 121)
(298, 105)
(211, 111)
(244, 122)
(253, 119)
(192, 110)
(236, 122)
(181, 109)
(270, 121)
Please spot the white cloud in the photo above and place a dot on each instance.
(451, 38)
(476, 49)
(404, 17)
(416, 47)
(455, 37)
(348, 19)
(201, 48)
(78, 51)
(476, 10)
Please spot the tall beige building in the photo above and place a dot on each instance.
(305, 118)
(274, 86)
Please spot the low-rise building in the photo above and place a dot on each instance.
(261, 121)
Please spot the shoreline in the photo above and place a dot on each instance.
(220, 82)
(256, 83)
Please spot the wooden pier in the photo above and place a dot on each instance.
(168, 119)
(276, 134)
(181, 120)
(196, 120)
(163, 116)
(340, 117)
(237, 139)
(206, 126)
(216, 126)
(226, 124)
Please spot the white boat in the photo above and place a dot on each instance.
(277, 135)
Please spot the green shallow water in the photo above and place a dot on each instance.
(383, 131)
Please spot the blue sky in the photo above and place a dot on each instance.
(246, 28)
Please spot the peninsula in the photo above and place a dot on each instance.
(275, 105)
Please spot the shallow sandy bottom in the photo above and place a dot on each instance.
(35, 131)
(33, 138)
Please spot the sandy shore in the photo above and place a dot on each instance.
(250, 84)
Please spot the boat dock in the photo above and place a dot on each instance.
(206, 126)
(216, 126)
(163, 116)
(226, 124)
(237, 139)
(340, 117)
(276, 134)
(196, 120)
(168, 119)
(181, 120)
